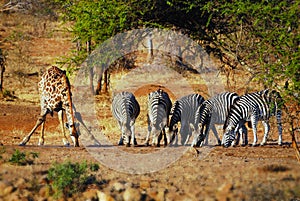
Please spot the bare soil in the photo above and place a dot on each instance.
(238, 173)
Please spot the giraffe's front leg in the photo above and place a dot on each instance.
(40, 120)
(61, 121)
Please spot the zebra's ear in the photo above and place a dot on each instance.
(192, 127)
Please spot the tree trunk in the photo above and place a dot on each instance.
(2, 69)
(106, 82)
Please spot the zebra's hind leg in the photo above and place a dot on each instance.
(133, 135)
(147, 139)
(149, 131)
(166, 139)
(254, 129)
(244, 135)
(121, 141)
(279, 126)
(267, 129)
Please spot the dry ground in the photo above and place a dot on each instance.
(240, 173)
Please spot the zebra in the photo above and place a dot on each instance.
(254, 107)
(183, 111)
(159, 106)
(125, 108)
(213, 111)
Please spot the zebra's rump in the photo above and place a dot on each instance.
(255, 104)
(125, 106)
(184, 109)
(159, 106)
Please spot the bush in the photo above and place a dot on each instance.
(69, 178)
(22, 158)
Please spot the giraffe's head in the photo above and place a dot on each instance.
(74, 133)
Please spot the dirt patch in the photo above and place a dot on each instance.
(240, 173)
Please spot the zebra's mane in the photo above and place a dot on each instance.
(234, 105)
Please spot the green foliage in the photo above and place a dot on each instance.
(22, 158)
(260, 37)
(269, 40)
(68, 178)
(94, 167)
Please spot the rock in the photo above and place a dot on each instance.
(90, 195)
(131, 194)
(3, 185)
(226, 188)
(13, 196)
(118, 187)
(5, 188)
(224, 191)
(145, 184)
(20, 183)
(104, 197)
(8, 190)
(157, 194)
(44, 191)
(44, 179)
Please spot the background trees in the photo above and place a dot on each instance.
(259, 37)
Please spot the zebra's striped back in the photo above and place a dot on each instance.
(183, 111)
(159, 106)
(212, 111)
(125, 109)
(254, 107)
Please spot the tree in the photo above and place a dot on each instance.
(259, 37)
(2, 69)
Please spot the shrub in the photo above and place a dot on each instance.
(69, 178)
(22, 158)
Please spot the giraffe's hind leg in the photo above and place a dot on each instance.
(41, 120)
(61, 121)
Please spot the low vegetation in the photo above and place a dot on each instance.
(69, 178)
(22, 158)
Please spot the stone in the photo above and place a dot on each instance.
(8, 190)
(104, 197)
(145, 184)
(157, 194)
(118, 187)
(224, 191)
(44, 191)
(20, 183)
(131, 194)
(90, 195)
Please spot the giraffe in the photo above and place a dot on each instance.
(55, 95)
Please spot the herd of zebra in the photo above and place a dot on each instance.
(197, 116)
